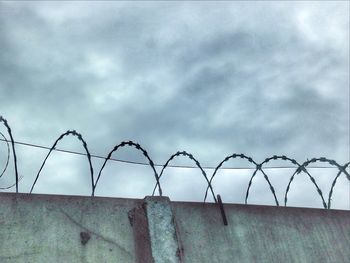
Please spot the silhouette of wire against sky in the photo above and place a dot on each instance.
(160, 165)
(299, 168)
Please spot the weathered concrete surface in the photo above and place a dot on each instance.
(42, 228)
(139, 222)
(262, 234)
(155, 234)
(162, 230)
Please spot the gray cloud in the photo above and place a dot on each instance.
(213, 79)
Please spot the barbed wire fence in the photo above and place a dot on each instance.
(257, 167)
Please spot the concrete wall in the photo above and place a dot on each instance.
(262, 234)
(42, 228)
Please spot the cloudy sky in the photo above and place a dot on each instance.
(211, 78)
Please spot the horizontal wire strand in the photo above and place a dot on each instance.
(160, 165)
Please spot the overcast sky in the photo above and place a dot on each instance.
(211, 78)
